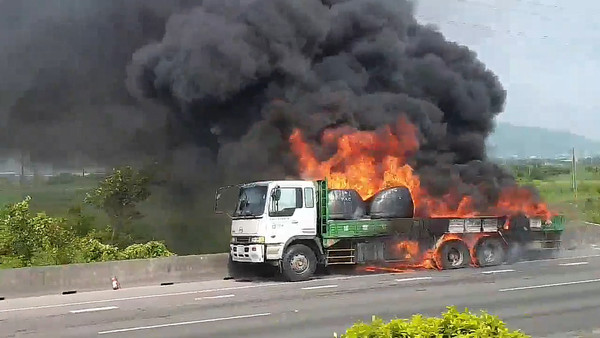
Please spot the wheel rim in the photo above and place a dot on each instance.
(455, 257)
(299, 263)
(489, 254)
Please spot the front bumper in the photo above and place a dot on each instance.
(251, 253)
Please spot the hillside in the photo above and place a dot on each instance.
(509, 140)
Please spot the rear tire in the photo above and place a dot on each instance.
(490, 252)
(454, 255)
(299, 263)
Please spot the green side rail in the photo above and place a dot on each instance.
(323, 212)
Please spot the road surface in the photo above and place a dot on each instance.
(545, 298)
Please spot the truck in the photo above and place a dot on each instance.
(296, 226)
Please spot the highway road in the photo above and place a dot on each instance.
(544, 298)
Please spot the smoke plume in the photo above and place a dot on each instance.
(214, 88)
(241, 74)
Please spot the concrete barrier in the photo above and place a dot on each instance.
(45, 280)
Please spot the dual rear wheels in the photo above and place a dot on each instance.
(455, 254)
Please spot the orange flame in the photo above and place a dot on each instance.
(370, 161)
(429, 259)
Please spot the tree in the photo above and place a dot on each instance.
(37, 239)
(118, 195)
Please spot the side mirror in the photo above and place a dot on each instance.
(276, 194)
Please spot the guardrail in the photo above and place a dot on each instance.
(36, 281)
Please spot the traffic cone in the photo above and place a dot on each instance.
(115, 283)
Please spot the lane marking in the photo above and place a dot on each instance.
(557, 259)
(135, 298)
(320, 287)
(498, 271)
(413, 279)
(215, 297)
(106, 308)
(574, 263)
(183, 293)
(212, 320)
(590, 223)
(550, 285)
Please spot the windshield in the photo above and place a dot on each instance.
(251, 201)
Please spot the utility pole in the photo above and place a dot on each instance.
(574, 172)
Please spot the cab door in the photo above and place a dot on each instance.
(294, 213)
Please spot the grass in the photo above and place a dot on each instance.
(558, 192)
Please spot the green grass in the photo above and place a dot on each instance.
(558, 192)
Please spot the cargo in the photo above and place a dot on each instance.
(391, 203)
(345, 204)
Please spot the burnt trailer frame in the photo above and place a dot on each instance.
(366, 240)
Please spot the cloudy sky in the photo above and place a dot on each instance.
(542, 51)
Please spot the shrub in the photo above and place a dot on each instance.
(96, 251)
(152, 249)
(28, 239)
(452, 324)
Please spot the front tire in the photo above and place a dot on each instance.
(454, 255)
(299, 263)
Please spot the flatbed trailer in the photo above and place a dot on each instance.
(300, 235)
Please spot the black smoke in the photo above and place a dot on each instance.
(242, 74)
(212, 89)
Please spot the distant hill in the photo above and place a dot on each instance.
(509, 141)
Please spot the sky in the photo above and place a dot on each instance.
(545, 52)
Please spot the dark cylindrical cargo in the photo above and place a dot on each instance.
(345, 204)
(391, 203)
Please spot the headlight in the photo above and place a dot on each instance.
(260, 239)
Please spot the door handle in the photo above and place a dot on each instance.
(294, 222)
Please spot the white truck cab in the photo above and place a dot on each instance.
(271, 217)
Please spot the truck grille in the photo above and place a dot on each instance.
(242, 239)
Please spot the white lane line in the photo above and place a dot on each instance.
(412, 279)
(212, 320)
(557, 259)
(550, 285)
(215, 297)
(590, 223)
(183, 293)
(137, 297)
(95, 309)
(498, 271)
(320, 287)
(41, 307)
(574, 263)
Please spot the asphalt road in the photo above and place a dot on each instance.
(546, 298)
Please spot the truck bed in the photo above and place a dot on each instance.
(367, 227)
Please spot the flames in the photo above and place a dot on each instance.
(417, 258)
(369, 161)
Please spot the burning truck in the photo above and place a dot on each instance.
(365, 206)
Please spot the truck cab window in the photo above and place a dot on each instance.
(290, 200)
(309, 198)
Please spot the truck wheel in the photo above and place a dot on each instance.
(454, 255)
(299, 263)
(490, 252)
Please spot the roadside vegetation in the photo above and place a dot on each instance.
(29, 238)
(554, 181)
(452, 323)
